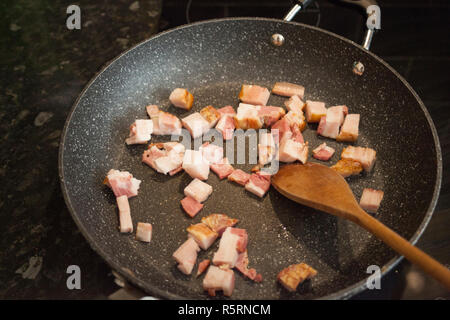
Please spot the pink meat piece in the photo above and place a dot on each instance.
(270, 114)
(202, 266)
(282, 126)
(226, 126)
(122, 183)
(258, 185)
(371, 199)
(186, 255)
(288, 89)
(191, 206)
(198, 190)
(323, 152)
(297, 135)
(227, 253)
(140, 132)
(239, 177)
(219, 279)
(195, 124)
(195, 165)
(295, 104)
(254, 94)
(227, 110)
(329, 127)
(350, 128)
(126, 224)
(218, 222)
(211, 152)
(223, 169)
(164, 123)
(144, 232)
(242, 266)
(241, 244)
(365, 156)
(202, 234)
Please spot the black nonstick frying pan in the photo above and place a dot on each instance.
(213, 59)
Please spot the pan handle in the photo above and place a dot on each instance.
(371, 8)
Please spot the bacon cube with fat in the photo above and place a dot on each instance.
(347, 167)
(181, 98)
(288, 89)
(144, 232)
(254, 94)
(195, 124)
(122, 183)
(323, 152)
(219, 279)
(350, 128)
(163, 122)
(191, 206)
(211, 152)
(247, 117)
(195, 164)
(202, 234)
(218, 222)
(223, 168)
(257, 185)
(295, 104)
(365, 156)
(198, 190)
(211, 115)
(140, 132)
(126, 224)
(330, 124)
(239, 177)
(315, 110)
(186, 256)
(371, 199)
(293, 275)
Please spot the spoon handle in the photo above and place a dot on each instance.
(402, 246)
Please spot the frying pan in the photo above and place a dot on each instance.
(213, 59)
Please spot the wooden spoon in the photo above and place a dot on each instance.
(322, 188)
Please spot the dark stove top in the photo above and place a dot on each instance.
(44, 67)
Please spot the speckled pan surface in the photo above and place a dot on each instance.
(212, 59)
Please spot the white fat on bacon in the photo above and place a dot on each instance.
(371, 199)
(181, 98)
(122, 183)
(211, 115)
(218, 222)
(225, 125)
(291, 150)
(365, 156)
(126, 224)
(254, 94)
(233, 242)
(258, 184)
(295, 104)
(247, 117)
(195, 164)
(140, 132)
(350, 128)
(198, 190)
(211, 152)
(266, 148)
(186, 255)
(202, 234)
(219, 279)
(315, 110)
(195, 124)
(270, 114)
(144, 232)
(288, 89)
(165, 158)
(164, 123)
(330, 124)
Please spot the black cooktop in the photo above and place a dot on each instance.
(44, 66)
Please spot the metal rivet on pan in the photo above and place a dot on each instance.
(277, 39)
(358, 68)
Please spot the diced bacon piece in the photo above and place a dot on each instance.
(366, 156)
(219, 279)
(195, 165)
(291, 151)
(239, 177)
(266, 139)
(126, 225)
(255, 95)
(296, 120)
(346, 167)
(163, 122)
(227, 110)
(266, 154)
(315, 110)
(186, 255)
(288, 89)
(165, 157)
(151, 155)
(227, 253)
(323, 152)
(140, 132)
(144, 232)
(371, 199)
(122, 183)
(297, 135)
(329, 127)
(247, 117)
(242, 266)
(293, 275)
(350, 128)
(226, 126)
(223, 169)
(175, 146)
(282, 126)
(181, 98)
(191, 206)
(202, 266)
(195, 124)
(211, 115)
(169, 164)
(198, 190)
(202, 234)
(218, 222)
(270, 114)
(295, 104)
(257, 185)
(211, 152)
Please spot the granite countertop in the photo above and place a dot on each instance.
(44, 66)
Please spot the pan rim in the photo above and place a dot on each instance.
(344, 293)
